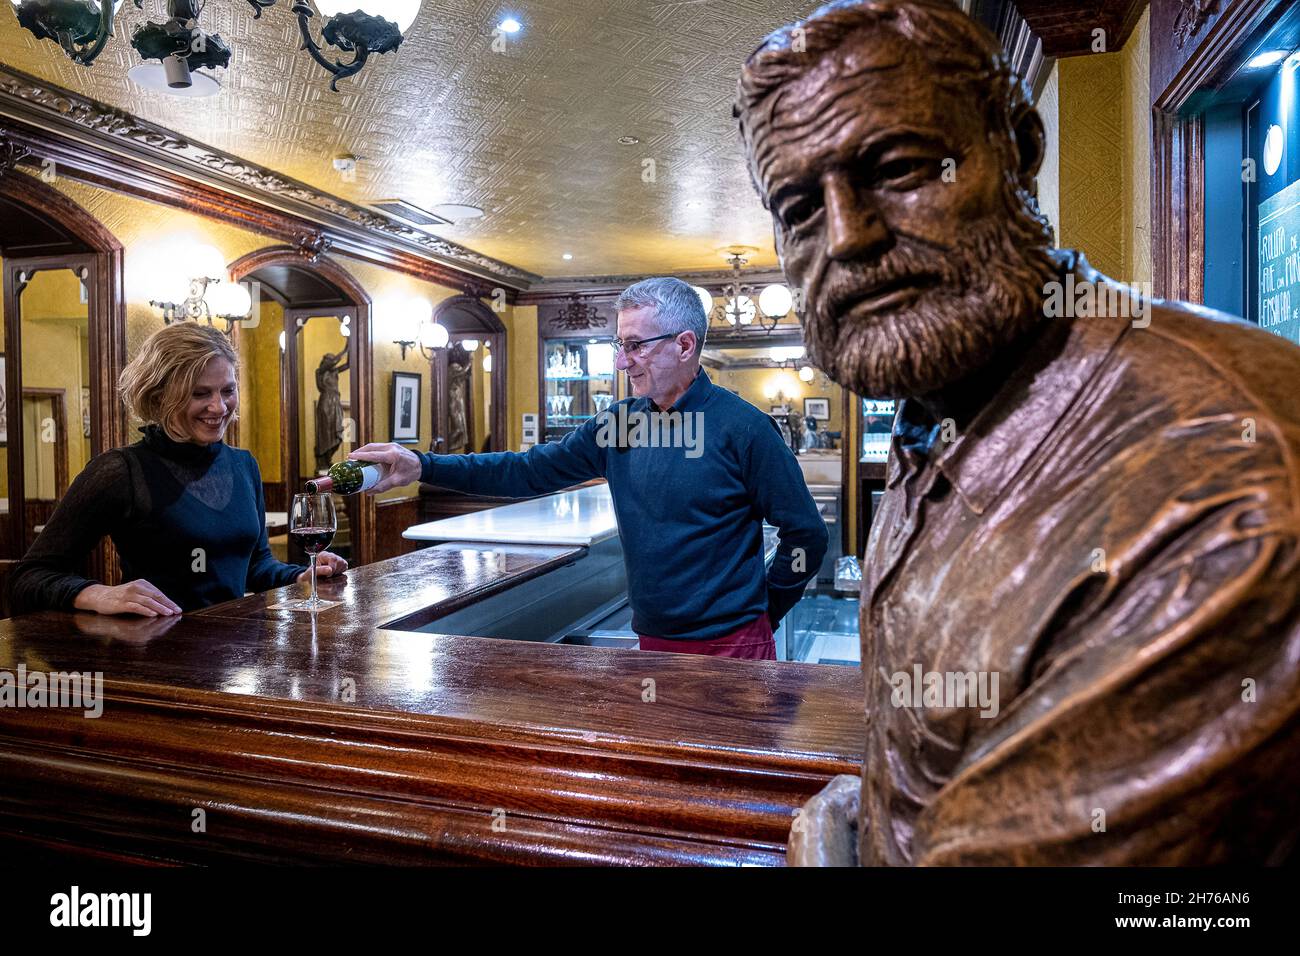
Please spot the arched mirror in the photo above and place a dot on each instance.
(469, 381)
(60, 344)
(304, 388)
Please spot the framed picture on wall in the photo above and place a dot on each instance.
(818, 408)
(406, 408)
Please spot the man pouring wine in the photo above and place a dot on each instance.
(693, 470)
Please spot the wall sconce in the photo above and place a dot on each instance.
(202, 296)
(360, 28)
(80, 27)
(415, 316)
(487, 358)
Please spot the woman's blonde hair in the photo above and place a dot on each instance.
(156, 384)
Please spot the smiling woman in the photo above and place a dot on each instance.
(184, 510)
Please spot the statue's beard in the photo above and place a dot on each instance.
(977, 300)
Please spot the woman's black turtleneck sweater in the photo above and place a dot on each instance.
(189, 519)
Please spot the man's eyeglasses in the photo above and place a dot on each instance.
(637, 346)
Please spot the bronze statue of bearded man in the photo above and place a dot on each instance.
(1080, 609)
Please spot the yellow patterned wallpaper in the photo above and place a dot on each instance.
(1105, 157)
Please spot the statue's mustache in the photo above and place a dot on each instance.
(906, 265)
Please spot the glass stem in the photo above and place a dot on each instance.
(313, 579)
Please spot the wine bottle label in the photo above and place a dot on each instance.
(369, 477)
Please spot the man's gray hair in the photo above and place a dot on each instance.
(677, 306)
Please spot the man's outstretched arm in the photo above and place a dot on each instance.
(540, 470)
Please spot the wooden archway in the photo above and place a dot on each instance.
(359, 360)
(466, 317)
(100, 256)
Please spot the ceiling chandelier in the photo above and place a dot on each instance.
(81, 27)
(370, 26)
(356, 27)
(737, 310)
(179, 45)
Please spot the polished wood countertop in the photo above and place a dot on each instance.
(339, 740)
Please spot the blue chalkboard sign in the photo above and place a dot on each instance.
(1279, 263)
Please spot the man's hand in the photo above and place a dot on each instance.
(401, 465)
(328, 564)
(134, 597)
(825, 830)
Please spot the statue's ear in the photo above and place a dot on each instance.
(1031, 143)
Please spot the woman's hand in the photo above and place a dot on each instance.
(401, 465)
(134, 597)
(328, 564)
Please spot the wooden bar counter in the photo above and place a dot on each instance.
(245, 732)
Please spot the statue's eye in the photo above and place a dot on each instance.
(904, 171)
(799, 211)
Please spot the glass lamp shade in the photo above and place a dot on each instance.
(433, 335)
(282, 341)
(400, 12)
(167, 287)
(229, 299)
(469, 345)
(775, 301)
(806, 373)
(706, 300)
(203, 261)
(487, 361)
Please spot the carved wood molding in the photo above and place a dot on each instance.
(1067, 27)
(1192, 15)
(113, 138)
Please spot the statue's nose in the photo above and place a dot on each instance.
(854, 225)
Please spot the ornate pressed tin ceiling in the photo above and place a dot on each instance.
(529, 134)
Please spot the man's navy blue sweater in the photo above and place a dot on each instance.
(690, 520)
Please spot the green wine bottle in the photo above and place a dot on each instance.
(345, 477)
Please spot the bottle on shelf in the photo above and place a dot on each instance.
(346, 477)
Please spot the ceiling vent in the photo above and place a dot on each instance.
(443, 214)
(408, 213)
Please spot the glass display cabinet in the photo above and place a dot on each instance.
(877, 426)
(579, 381)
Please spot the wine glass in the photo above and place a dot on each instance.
(313, 522)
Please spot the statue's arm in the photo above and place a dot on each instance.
(1163, 728)
(825, 829)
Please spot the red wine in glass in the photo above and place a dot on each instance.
(312, 522)
(314, 540)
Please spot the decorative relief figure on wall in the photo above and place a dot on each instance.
(577, 315)
(1080, 605)
(458, 366)
(329, 408)
(1192, 15)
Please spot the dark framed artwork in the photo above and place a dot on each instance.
(818, 408)
(406, 408)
